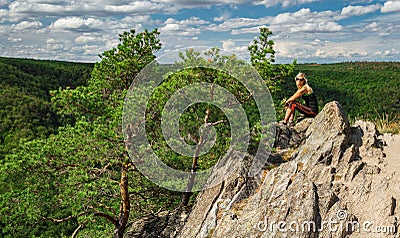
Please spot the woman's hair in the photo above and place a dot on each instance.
(302, 75)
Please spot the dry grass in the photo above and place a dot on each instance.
(384, 123)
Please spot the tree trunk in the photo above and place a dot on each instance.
(188, 192)
(125, 206)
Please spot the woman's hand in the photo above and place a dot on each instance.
(287, 104)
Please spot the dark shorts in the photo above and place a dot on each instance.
(303, 109)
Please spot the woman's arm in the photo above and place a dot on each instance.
(297, 94)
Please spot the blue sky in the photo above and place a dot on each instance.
(321, 31)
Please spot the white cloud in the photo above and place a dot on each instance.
(135, 7)
(374, 26)
(316, 27)
(228, 44)
(26, 25)
(387, 53)
(204, 3)
(231, 46)
(5, 16)
(359, 10)
(284, 3)
(77, 24)
(3, 2)
(169, 27)
(220, 18)
(318, 51)
(391, 6)
(187, 27)
(301, 21)
(56, 41)
(10, 39)
(237, 23)
(104, 8)
(85, 39)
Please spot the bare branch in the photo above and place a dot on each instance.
(107, 207)
(99, 214)
(77, 229)
(214, 123)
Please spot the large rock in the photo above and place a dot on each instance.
(333, 182)
(166, 224)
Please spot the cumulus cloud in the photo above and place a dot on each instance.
(230, 45)
(204, 3)
(284, 3)
(77, 24)
(3, 2)
(103, 8)
(56, 41)
(237, 23)
(303, 20)
(4, 17)
(316, 27)
(26, 25)
(186, 27)
(10, 39)
(359, 10)
(319, 50)
(135, 7)
(387, 53)
(374, 26)
(85, 39)
(391, 6)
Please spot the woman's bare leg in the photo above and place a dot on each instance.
(291, 118)
(289, 115)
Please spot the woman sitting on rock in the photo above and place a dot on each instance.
(310, 109)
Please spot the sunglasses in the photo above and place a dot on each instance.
(301, 79)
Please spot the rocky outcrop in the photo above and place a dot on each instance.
(166, 224)
(336, 183)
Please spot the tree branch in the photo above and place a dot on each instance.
(99, 214)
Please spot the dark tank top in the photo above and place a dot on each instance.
(311, 101)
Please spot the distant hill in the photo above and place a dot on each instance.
(38, 77)
(25, 108)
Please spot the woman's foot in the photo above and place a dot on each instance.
(282, 122)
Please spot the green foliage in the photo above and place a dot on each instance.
(25, 108)
(38, 77)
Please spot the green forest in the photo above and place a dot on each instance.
(26, 109)
(64, 166)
